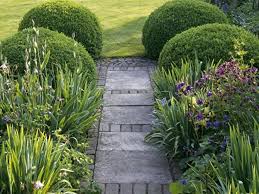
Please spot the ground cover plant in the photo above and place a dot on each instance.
(59, 102)
(175, 17)
(69, 18)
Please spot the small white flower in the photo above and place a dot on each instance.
(38, 185)
(240, 182)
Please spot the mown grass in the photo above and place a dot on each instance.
(122, 21)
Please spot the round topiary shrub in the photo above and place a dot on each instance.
(175, 17)
(69, 18)
(62, 50)
(209, 42)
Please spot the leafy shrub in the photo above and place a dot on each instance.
(189, 72)
(31, 164)
(175, 17)
(63, 99)
(210, 42)
(195, 119)
(69, 18)
(235, 171)
(63, 51)
(59, 101)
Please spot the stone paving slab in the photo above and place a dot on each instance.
(127, 80)
(127, 115)
(131, 167)
(124, 141)
(128, 99)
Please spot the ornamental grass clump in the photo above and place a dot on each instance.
(234, 171)
(60, 102)
(32, 164)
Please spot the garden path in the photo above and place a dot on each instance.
(124, 163)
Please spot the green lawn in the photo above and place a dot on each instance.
(122, 21)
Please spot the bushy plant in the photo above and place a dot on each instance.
(189, 72)
(63, 100)
(195, 119)
(209, 42)
(69, 18)
(59, 101)
(235, 171)
(175, 17)
(64, 51)
(32, 163)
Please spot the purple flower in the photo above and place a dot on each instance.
(216, 124)
(199, 102)
(180, 86)
(209, 124)
(184, 182)
(209, 94)
(224, 144)
(163, 101)
(226, 118)
(6, 119)
(188, 88)
(199, 116)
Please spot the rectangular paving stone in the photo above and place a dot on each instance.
(131, 167)
(126, 189)
(140, 189)
(154, 189)
(124, 141)
(116, 128)
(127, 115)
(112, 189)
(127, 80)
(128, 99)
(126, 128)
(136, 128)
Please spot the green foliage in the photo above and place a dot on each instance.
(247, 17)
(209, 42)
(62, 100)
(59, 101)
(165, 81)
(173, 129)
(31, 163)
(239, 171)
(63, 51)
(69, 18)
(175, 17)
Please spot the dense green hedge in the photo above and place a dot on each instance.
(69, 18)
(61, 47)
(175, 17)
(209, 42)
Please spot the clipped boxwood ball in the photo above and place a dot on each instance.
(175, 17)
(61, 47)
(69, 18)
(209, 42)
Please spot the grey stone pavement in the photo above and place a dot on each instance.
(124, 163)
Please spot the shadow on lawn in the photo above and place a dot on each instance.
(127, 36)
